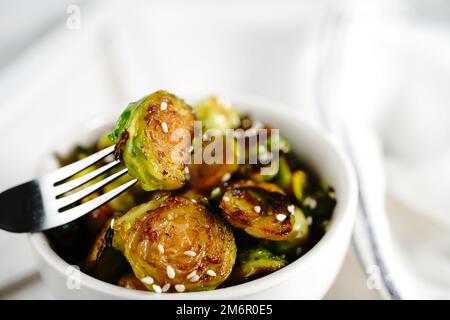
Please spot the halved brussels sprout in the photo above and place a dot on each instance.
(176, 243)
(103, 261)
(253, 263)
(260, 209)
(153, 138)
(216, 114)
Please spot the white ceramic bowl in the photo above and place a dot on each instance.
(309, 277)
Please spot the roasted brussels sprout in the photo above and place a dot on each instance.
(253, 263)
(103, 261)
(260, 209)
(151, 137)
(173, 242)
(217, 114)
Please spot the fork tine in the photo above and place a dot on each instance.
(72, 198)
(73, 168)
(63, 188)
(86, 207)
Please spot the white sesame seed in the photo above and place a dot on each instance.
(211, 273)
(160, 248)
(166, 287)
(192, 274)
(147, 280)
(156, 288)
(291, 208)
(281, 217)
(257, 209)
(164, 127)
(180, 287)
(163, 106)
(310, 202)
(193, 201)
(189, 253)
(195, 278)
(186, 170)
(111, 225)
(226, 198)
(170, 272)
(226, 177)
(309, 220)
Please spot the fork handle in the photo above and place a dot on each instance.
(19, 208)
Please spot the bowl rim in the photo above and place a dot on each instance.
(341, 214)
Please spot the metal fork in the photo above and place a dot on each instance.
(44, 203)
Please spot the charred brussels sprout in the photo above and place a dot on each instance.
(153, 137)
(260, 209)
(217, 114)
(253, 263)
(176, 242)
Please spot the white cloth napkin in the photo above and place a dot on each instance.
(385, 93)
